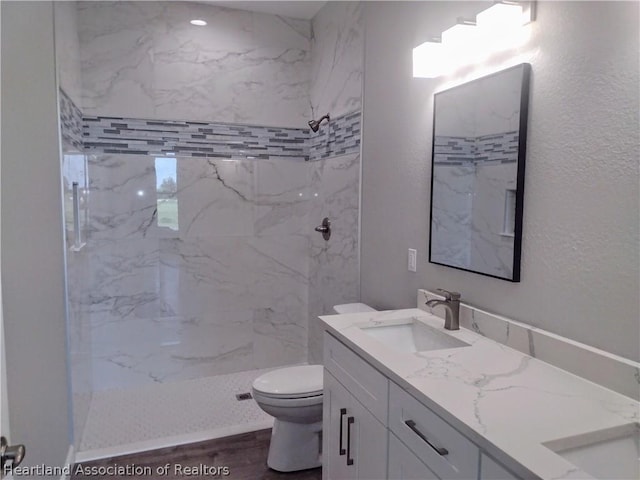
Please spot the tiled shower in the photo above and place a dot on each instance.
(198, 188)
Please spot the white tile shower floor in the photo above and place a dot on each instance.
(160, 415)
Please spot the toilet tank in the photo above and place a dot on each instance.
(353, 308)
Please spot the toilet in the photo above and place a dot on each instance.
(293, 395)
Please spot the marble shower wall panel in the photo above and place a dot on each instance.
(221, 293)
(215, 197)
(333, 264)
(491, 247)
(283, 195)
(68, 49)
(70, 124)
(337, 49)
(144, 60)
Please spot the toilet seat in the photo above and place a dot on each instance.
(304, 381)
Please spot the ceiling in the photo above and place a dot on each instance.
(295, 9)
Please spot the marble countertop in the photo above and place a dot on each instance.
(506, 402)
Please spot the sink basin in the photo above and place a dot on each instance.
(412, 336)
(607, 454)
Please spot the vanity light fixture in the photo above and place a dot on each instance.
(198, 23)
(428, 58)
(496, 28)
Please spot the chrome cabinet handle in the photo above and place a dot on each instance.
(343, 412)
(350, 421)
(10, 453)
(412, 425)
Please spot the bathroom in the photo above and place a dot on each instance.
(233, 277)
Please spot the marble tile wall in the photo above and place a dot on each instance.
(337, 52)
(67, 45)
(337, 49)
(70, 124)
(222, 290)
(145, 60)
(226, 278)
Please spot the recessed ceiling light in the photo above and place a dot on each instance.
(199, 23)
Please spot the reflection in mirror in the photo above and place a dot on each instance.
(477, 181)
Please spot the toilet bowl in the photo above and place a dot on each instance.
(293, 395)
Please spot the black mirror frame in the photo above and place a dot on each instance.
(522, 151)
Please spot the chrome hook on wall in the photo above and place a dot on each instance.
(325, 228)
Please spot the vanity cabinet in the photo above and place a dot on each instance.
(492, 470)
(404, 464)
(354, 441)
(373, 429)
(446, 452)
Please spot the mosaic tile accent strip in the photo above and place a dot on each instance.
(485, 149)
(220, 140)
(70, 123)
(344, 137)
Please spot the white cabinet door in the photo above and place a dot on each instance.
(492, 470)
(354, 441)
(335, 407)
(404, 464)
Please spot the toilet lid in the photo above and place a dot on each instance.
(305, 380)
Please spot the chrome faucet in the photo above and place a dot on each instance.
(451, 304)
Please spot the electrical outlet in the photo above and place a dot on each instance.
(413, 259)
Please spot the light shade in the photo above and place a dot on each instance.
(501, 26)
(428, 60)
(198, 23)
(500, 15)
(464, 44)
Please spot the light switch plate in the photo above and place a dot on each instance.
(413, 260)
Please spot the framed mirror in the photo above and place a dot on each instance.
(477, 174)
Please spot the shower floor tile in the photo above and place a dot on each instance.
(167, 414)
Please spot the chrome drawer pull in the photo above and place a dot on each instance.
(412, 425)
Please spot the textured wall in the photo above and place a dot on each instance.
(580, 246)
(144, 60)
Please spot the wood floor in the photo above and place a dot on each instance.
(244, 455)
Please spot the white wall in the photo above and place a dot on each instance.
(145, 60)
(580, 253)
(32, 238)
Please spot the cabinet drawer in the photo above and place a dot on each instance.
(404, 465)
(442, 448)
(364, 382)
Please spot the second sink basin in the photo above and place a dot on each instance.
(412, 336)
(608, 454)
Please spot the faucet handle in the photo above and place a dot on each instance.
(448, 296)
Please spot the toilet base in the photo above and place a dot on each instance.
(295, 446)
